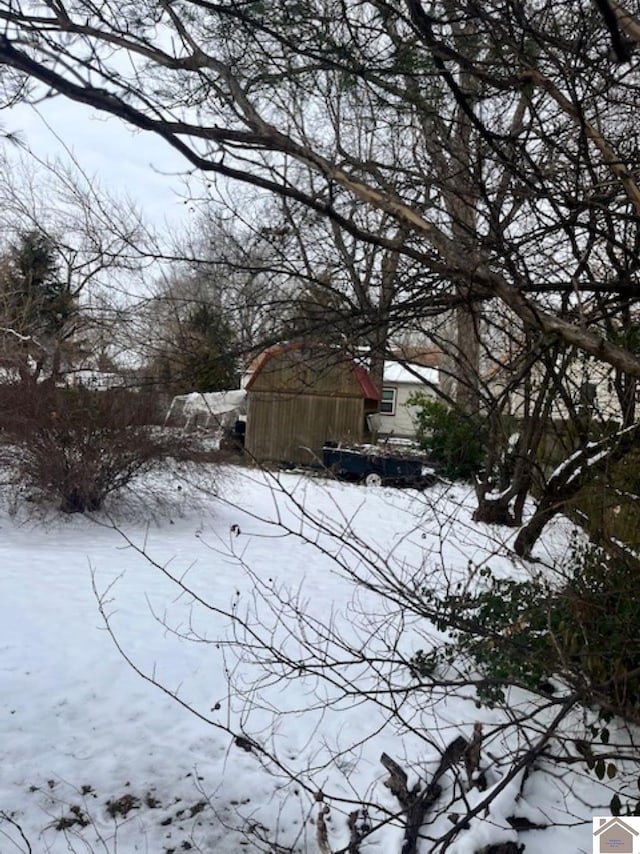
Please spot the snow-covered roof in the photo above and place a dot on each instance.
(97, 380)
(395, 372)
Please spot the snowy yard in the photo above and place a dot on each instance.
(96, 758)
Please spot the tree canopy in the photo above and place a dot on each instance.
(500, 139)
(473, 168)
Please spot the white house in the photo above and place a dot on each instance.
(401, 380)
(588, 384)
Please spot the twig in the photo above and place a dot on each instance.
(9, 820)
(321, 831)
(415, 804)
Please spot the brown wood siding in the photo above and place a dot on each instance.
(305, 371)
(294, 427)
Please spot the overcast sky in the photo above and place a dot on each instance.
(139, 164)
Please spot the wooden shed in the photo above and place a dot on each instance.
(300, 396)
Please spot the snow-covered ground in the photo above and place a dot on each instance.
(94, 757)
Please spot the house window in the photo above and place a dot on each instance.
(588, 396)
(388, 401)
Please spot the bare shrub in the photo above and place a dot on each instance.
(78, 446)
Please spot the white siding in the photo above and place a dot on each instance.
(405, 383)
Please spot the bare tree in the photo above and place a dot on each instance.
(98, 250)
(205, 68)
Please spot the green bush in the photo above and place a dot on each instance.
(585, 631)
(454, 440)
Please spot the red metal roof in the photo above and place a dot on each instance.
(369, 391)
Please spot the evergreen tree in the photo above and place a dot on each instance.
(209, 364)
(38, 303)
(198, 353)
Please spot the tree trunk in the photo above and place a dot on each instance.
(495, 511)
(580, 469)
(528, 535)
(467, 359)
